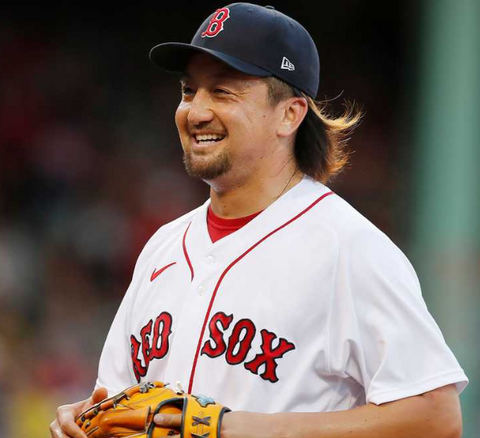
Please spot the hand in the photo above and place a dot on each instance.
(64, 425)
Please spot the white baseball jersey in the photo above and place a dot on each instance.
(308, 308)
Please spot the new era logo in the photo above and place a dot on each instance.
(287, 65)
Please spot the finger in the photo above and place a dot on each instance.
(99, 394)
(56, 431)
(71, 430)
(66, 420)
(168, 420)
(64, 425)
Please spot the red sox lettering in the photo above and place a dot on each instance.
(158, 348)
(269, 355)
(155, 345)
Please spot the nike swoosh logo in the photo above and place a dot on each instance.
(156, 273)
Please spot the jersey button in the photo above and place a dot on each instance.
(201, 290)
(210, 260)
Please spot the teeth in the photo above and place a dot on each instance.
(207, 137)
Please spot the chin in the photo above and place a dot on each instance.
(207, 169)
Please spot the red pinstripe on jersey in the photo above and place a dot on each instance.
(186, 253)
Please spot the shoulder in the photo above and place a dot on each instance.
(355, 235)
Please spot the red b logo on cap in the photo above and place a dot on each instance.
(215, 26)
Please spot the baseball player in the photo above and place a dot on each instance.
(275, 296)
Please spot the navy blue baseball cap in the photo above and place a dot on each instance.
(256, 40)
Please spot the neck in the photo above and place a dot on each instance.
(255, 194)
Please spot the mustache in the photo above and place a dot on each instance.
(207, 127)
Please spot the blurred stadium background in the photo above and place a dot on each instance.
(90, 167)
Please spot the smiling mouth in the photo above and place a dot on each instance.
(208, 139)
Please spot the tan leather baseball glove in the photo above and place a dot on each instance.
(130, 413)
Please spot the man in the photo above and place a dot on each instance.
(275, 297)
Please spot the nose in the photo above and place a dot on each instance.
(200, 110)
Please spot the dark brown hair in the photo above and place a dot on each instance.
(321, 139)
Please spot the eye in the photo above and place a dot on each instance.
(187, 91)
(221, 91)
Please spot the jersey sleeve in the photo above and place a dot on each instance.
(114, 370)
(381, 333)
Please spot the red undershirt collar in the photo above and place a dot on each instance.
(219, 227)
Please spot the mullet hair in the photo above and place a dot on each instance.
(320, 143)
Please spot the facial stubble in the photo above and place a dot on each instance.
(209, 168)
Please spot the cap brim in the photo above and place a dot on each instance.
(173, 57)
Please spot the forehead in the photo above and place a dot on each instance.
(204, 65)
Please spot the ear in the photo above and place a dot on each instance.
(292, 113)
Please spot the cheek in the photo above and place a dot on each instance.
(245, 123)
(262, 127)
(181, 117)
(262, 116)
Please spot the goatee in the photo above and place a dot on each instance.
(207, 170)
